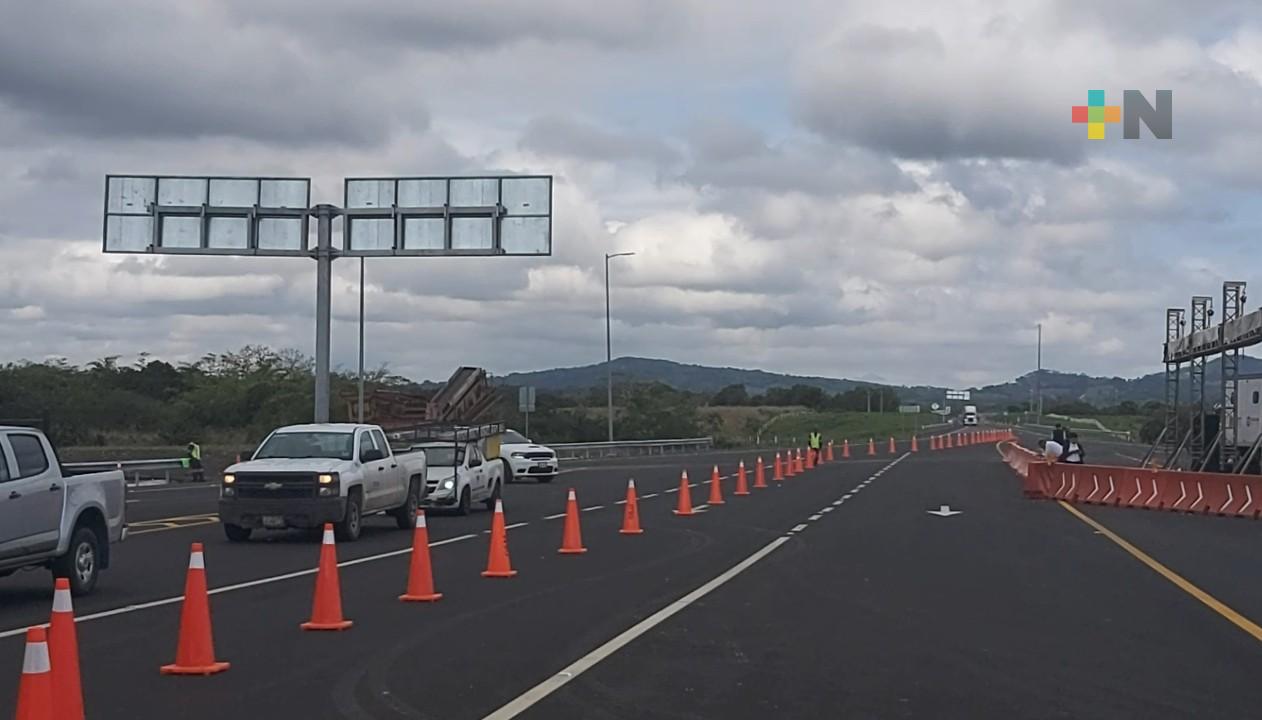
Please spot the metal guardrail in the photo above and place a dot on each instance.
(631, 448)
(126, 465)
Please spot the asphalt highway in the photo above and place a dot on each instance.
(835, 594)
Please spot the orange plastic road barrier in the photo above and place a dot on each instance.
(742, 483)
(420, 571)
(498, 564)
(685, 497)
(631, 512)
(195, 653)
(760, 475)
(845, 448)
(35, 691)
(871, 446)
(893, 449)
(326, 606)
(716, 488)
(828, 456)
(915, 447)
(572, 537)
(777, 469)
(63, 651)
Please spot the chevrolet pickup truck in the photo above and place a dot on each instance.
(55, 518)
(303, 476)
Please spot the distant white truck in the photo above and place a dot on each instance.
(970, 415)
(52, 517)
(303, 476)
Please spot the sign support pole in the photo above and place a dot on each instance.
(324, 291)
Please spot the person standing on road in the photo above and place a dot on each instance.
(815, 441)
(194, 460)
(1060, 435)
(1075, 454)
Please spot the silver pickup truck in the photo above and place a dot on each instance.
(53, 518)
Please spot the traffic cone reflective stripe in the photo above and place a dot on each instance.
(326, 607)
(742, 483)
(760, 475)
(716, 488)
(572, 538)
(420, 570)
(498, 564)
(63, 651)
(631, 512)
(35, 690)
(685, 496)
(195, 654)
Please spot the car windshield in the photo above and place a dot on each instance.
(512, 437)
(443, 456)
(337, 445)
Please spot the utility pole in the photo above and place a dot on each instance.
(1038, 379)
(609, 342)
(361, 342)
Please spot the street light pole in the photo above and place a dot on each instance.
(1038, 380)
(609, 342)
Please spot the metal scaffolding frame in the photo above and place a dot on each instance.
(1174, 330)
(1202, 310)
(1228, 448)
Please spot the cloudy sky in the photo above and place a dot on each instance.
(872, 190)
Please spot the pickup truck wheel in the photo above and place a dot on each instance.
(495, 495)
(466, 502)
(405, 515)
(236, 533)
(348, 530)
(81, 563)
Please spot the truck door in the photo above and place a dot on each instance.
(477, 472)
(31, 496)
(395, 484)
(374, 473)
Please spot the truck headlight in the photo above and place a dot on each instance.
(518, 455)
(449, 484)
(327, 479)
(229, 478)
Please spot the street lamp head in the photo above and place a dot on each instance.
(621, 254)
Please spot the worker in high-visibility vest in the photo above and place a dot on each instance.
(193, 460)
(815, 441)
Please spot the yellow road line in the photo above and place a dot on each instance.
(1210, 601)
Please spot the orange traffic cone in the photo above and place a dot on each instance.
(631, 513)
(716, 488)
(950, 443)
(326, 607)
(572, 537)
(420, 571)
(35, 691)
(845, 448)
(685, 496)
(915, 447)
(195, 653)
(760, 475)
(810, 458)
(63, 652)
(892, 448)
(777, 470)
(788, 465)
(799, 465)
(829, 455)
(498, 564)
(871, 446)
(742, 483)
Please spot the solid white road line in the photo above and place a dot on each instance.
(554, 517)
(242, 586)
(590, 660)
(594, 507)
(646, 496)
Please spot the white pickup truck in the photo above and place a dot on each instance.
(303, 476)
(52, 517)
(459, 474)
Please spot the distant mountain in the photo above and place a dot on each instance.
(694, 378)
(1100, 391)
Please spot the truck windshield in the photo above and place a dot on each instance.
(308, 445)
(443, 456)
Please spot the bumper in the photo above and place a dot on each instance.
(303, 513)
(523, 467)
(435, 499)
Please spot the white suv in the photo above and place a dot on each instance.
(527, 459)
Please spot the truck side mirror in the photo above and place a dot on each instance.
(371, 455)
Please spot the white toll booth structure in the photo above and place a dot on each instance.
(444, 216)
